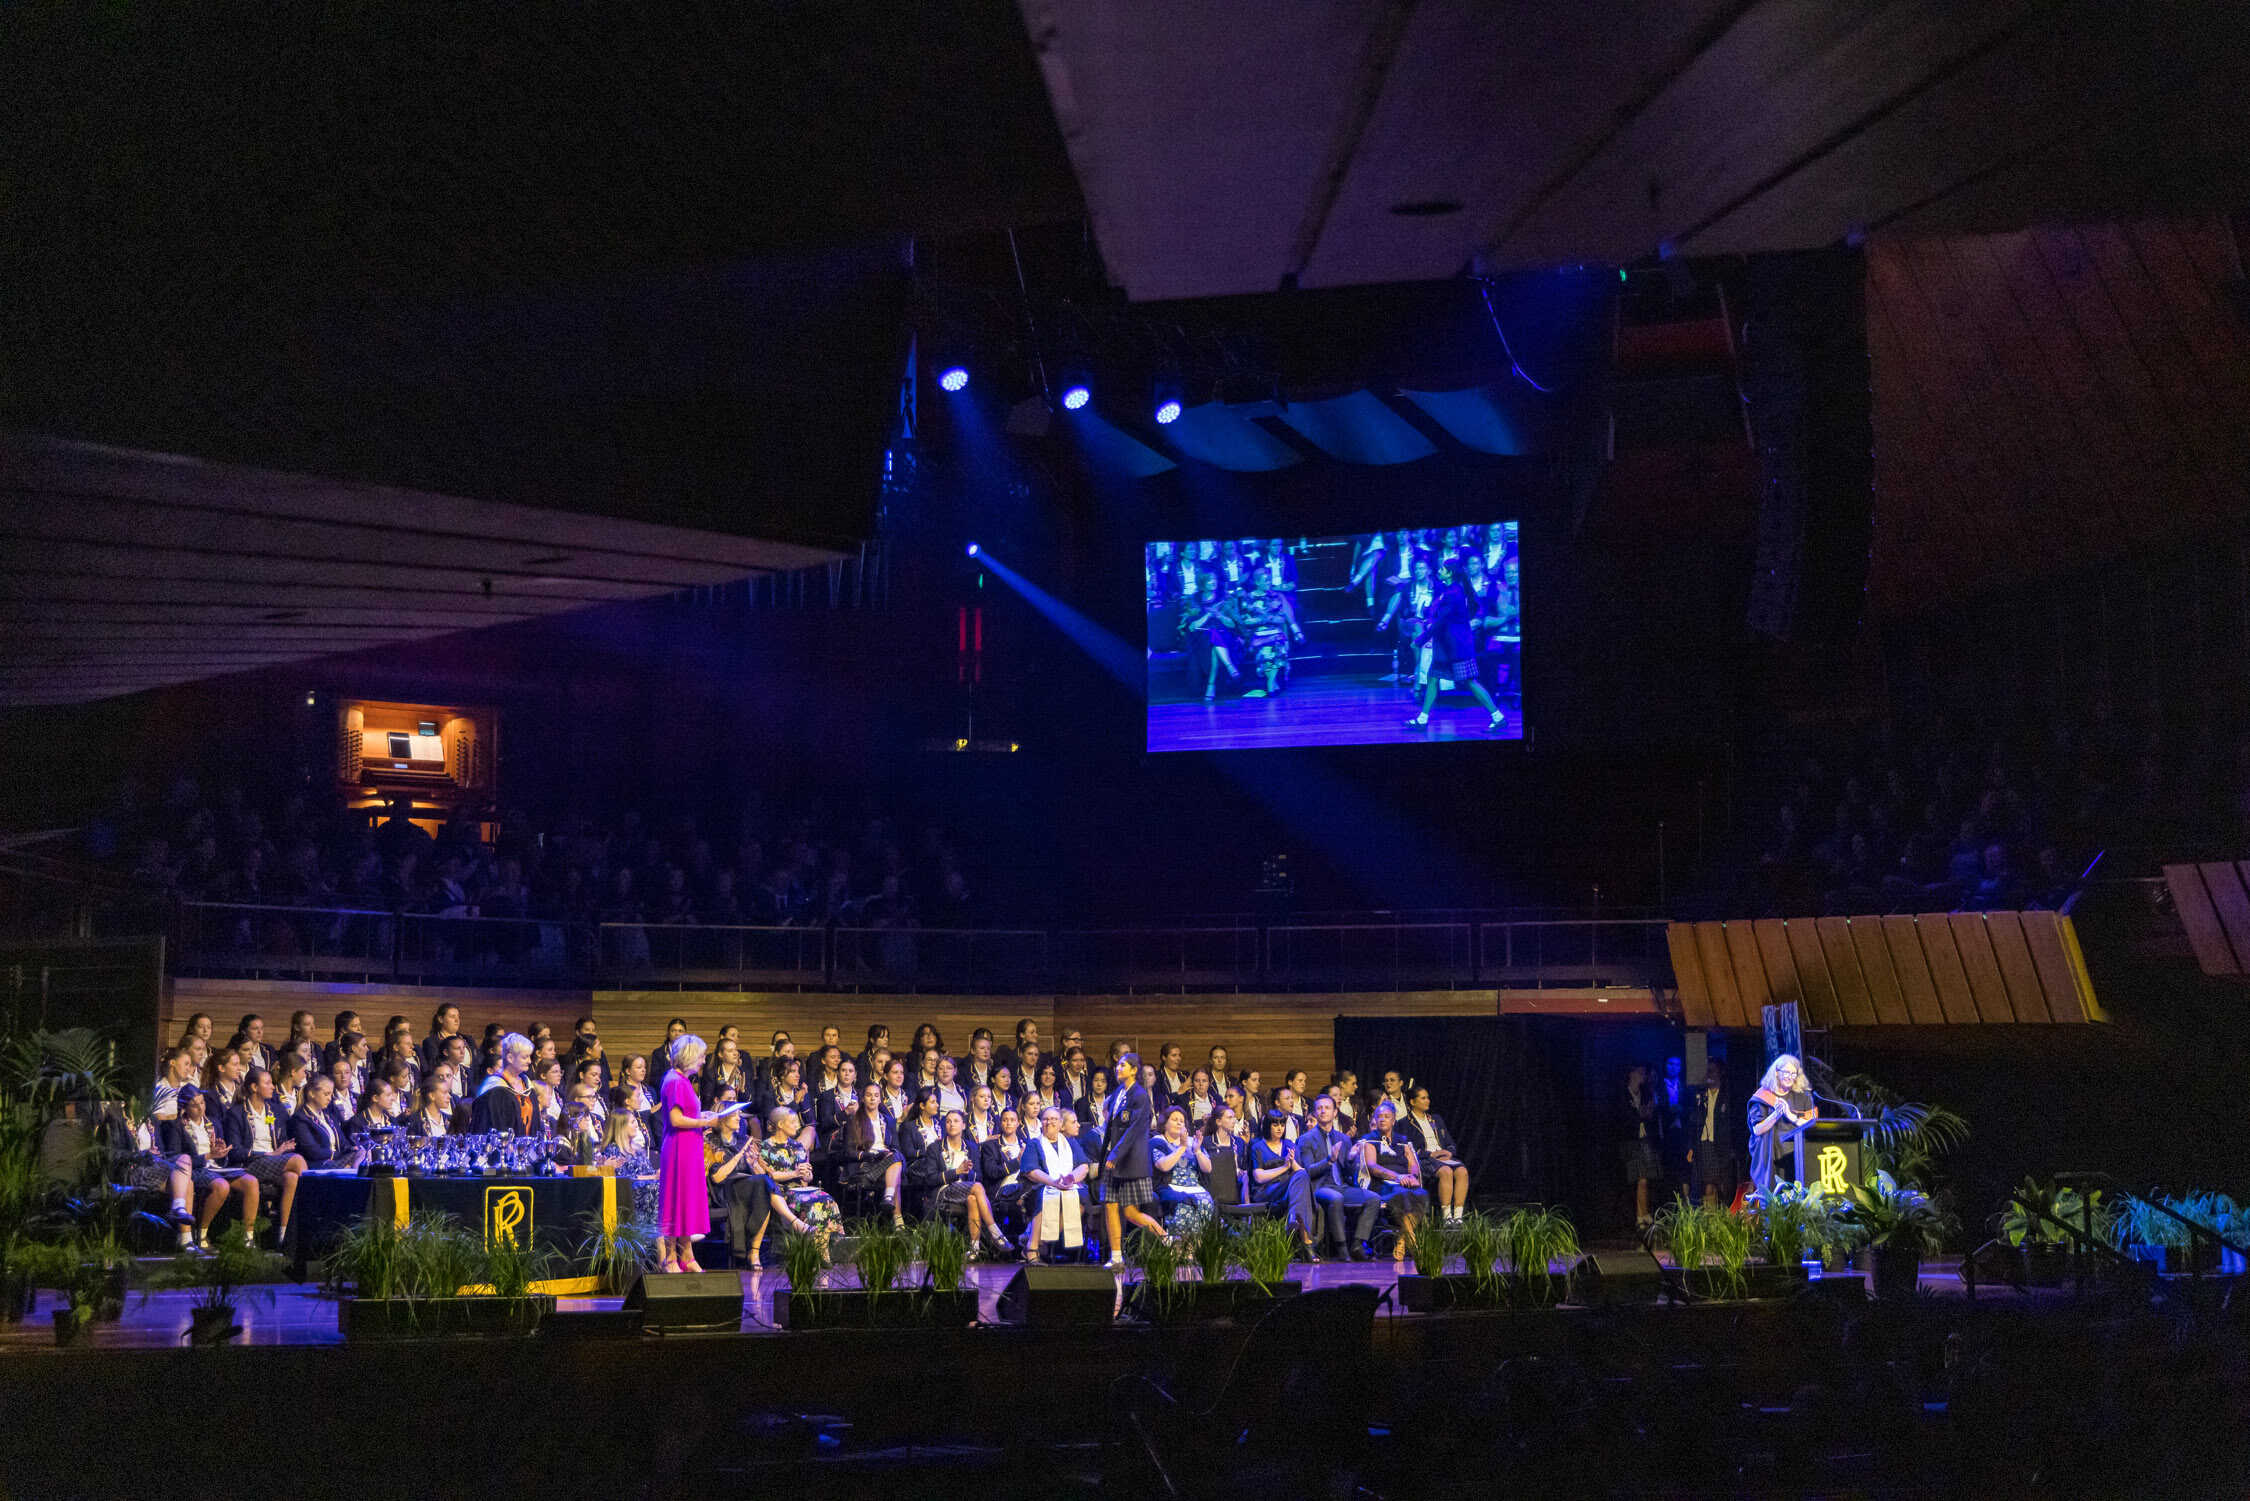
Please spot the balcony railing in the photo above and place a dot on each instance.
(212, 938)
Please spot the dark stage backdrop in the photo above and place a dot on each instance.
(1535, 1103)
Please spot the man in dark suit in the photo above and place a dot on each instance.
(1127, 1174)
(1713, 1170)
(1325, 1155)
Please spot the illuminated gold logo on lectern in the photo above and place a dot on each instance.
(1831, 1165)
(504, 1209)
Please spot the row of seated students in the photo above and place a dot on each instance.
(915, 1131)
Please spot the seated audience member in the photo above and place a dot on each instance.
(740, 1193)
(192, 1135)
(378, 1110)
(445, 1025)
(950, 1094)
(896, 1098)
(289, 1075)
(257, 1134)
(954, 1164)
(148, 1168)
(1393, 1089)
(1393, 1175)
(869, 1156)
(625, 1151)
(832, 1107)
(1044, 1090)
(343, 1098)
(315, 1129)
(787, 1088)
(1433, 1144)
(1275, 1178)
(798, 1202)
(1332, 1166)
(983, 1114)
(1004, 1091)
(1000, 1165)
(1168, 1081)
(922, 1127)
(633, 1080)
(1343, 1087)
(547, 1095)
(1058, 1170)
(1093, 1110)
(1181, 1163)
(433, 1115)
(1200, 1098)
(505, 1100)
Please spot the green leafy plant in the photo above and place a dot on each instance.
(1266, 1250)
(1159, 1261)
(1708, 1241)
(2019, 1227)
(1684, 1229)
(1789, 1222)
(368, 1256)
(1433, 1248)
(803, 1258)
(1212, 1247)
(621, 1251)
(944, 1255)
(883, 1253)
(443, 1255)
(512, 1264)
(1905, 1138)
(74, 1066)
(1480, 1240)
(230, 1277)
(1532, 1240)
(1888, 1215)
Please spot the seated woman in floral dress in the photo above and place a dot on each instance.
(797, 1201)
(1180, 1162)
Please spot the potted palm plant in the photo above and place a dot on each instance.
(1265, 1252)
(2044, 1246)
(619, 1252)
(1898, 1225)
(222, 1282)
(75, 1270)
(1159, 1296)
(888, 1296)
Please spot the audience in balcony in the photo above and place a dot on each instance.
(781, 869)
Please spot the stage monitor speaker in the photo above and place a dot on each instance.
(1059, 1297)
(1607, 1279)
(688, 1302)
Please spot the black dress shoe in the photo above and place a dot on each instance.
(1359, 1253)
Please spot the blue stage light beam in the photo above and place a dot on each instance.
(972, 549)
(1076, 397)
(1111, 652)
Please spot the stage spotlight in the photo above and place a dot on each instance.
(1076, 397)
(955, 378)
(972, 549)
(1167, 413)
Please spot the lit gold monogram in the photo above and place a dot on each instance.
(504, 1210)
(1831, 1165)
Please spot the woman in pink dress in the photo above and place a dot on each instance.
(683, 1199)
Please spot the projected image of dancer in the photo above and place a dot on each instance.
(1452, 647)
(1280, 641)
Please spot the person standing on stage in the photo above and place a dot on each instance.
(1675, 1121)
(1643, 1166)
(1128, 1186)
(1779, 1107)
(1713, 1161)
(682, 1197)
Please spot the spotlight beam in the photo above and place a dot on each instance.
(1111, 652)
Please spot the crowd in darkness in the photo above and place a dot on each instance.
(1939, 816)
(763, 866)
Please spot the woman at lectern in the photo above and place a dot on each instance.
(1779, 1106)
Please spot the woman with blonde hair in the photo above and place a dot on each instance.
(683, 1200)
(1779, 1106)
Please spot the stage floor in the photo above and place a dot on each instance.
(1321, 711)
(299, 1315)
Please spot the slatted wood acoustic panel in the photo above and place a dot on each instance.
(1927, 970)
(2212, 898)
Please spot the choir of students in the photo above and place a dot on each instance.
(1040, 1154)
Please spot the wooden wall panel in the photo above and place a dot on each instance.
(1813, 975)
(1843, 968)
(1981, 965)
(1718, 971)
(1687, 975)
(1912, 966)
(2008, 946)
(2223, 879)
(2206, 935)
(1780, 964)
(1946, 968)
(2060, 978)
(1749, 972)
(1875, 966)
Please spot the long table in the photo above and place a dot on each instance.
(559, 1214)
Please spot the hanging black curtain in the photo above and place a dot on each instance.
(1494, 1080)
(1535, 1103)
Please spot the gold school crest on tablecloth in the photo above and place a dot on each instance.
(504, 1210)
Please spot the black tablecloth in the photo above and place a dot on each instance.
(562, 1213)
